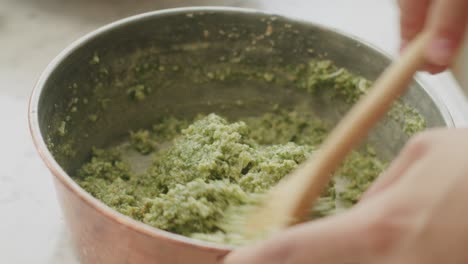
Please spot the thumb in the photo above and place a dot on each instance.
(337, 239)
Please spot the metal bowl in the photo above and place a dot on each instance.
(82, 100)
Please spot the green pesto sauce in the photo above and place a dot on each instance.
(202, 170)
(202, 173)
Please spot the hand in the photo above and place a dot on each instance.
(446, 19)
(415, 213)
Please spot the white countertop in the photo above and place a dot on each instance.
(32, 32)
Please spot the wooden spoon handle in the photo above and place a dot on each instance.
(311, 178)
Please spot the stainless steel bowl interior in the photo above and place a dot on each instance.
(192, 61)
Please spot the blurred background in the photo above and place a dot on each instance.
(33, 32)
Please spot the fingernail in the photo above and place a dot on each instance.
(440, 51)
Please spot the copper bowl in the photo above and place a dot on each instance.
(176, 47)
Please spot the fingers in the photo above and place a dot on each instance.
(329, 240)
(413, 16)
(368, 232)
(448, 21)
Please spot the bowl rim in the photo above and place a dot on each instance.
(102, 208)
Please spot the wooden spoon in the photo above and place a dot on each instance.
(291, 200)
